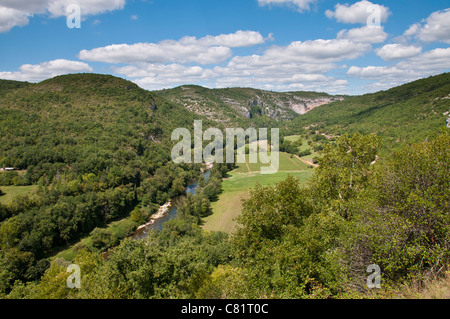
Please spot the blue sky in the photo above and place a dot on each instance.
(339, 47)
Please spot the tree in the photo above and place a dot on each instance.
(102, 238)
(267, 213)
(344, 169)
(410, 219)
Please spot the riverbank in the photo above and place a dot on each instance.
(162, 211)
(168, 210)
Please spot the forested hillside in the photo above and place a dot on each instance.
(97, 146)
(406, 114)
(91, 150)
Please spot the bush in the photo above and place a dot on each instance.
(305, 152)
(102, 238)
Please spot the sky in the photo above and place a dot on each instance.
(339, 47)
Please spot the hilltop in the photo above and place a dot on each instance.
(84, 121)
(7, 85)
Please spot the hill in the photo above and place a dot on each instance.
(405, 114)
(80, 118)
(242, 106)
(86, 142)
(6, 85)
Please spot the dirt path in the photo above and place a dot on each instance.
(248, 167)
(306, 162)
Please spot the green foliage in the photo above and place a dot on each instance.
(345, 168)
(99, 149)
(406, 114)
(285, 246)
(412, 206)
(95, 145)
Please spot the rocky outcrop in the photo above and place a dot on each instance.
(305, 105)
(224, 105)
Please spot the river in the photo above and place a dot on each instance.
(158, 224)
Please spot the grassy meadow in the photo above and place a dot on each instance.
(236, 188)
(10, 192)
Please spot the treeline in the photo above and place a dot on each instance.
(315, 241)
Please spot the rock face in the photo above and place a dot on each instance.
(224, 105)
(306, 105)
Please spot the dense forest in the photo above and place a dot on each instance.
(98, 149)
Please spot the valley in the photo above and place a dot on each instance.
(92, 155)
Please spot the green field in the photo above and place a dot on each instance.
(303, 147)
(287, 163)
(236, 188)
(10, 192)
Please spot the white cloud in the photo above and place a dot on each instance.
(364, 34)
(25, 5)
(163, 52)
(318, 51)
(45, 70)
(380, 72)
(10, 18)
(58, 8)
(436, 28)
(153, 76)
(300, 5)
(16, 12)
(206, 50)
(429, 63)
(392, 52)
(299, 65)
(238, 39)
(359, 12)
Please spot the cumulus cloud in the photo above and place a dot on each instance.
(58, 8)
(392, 52)
(163, 52)
(159, 76)
(318, 51)
(300, 5)
(238, 39)
(364, 34)
(45, 70)
(436, 28)
(206, 50)
(16, 12)
(10, 18)
(428, 63)
(299, 65)
(359, 12)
